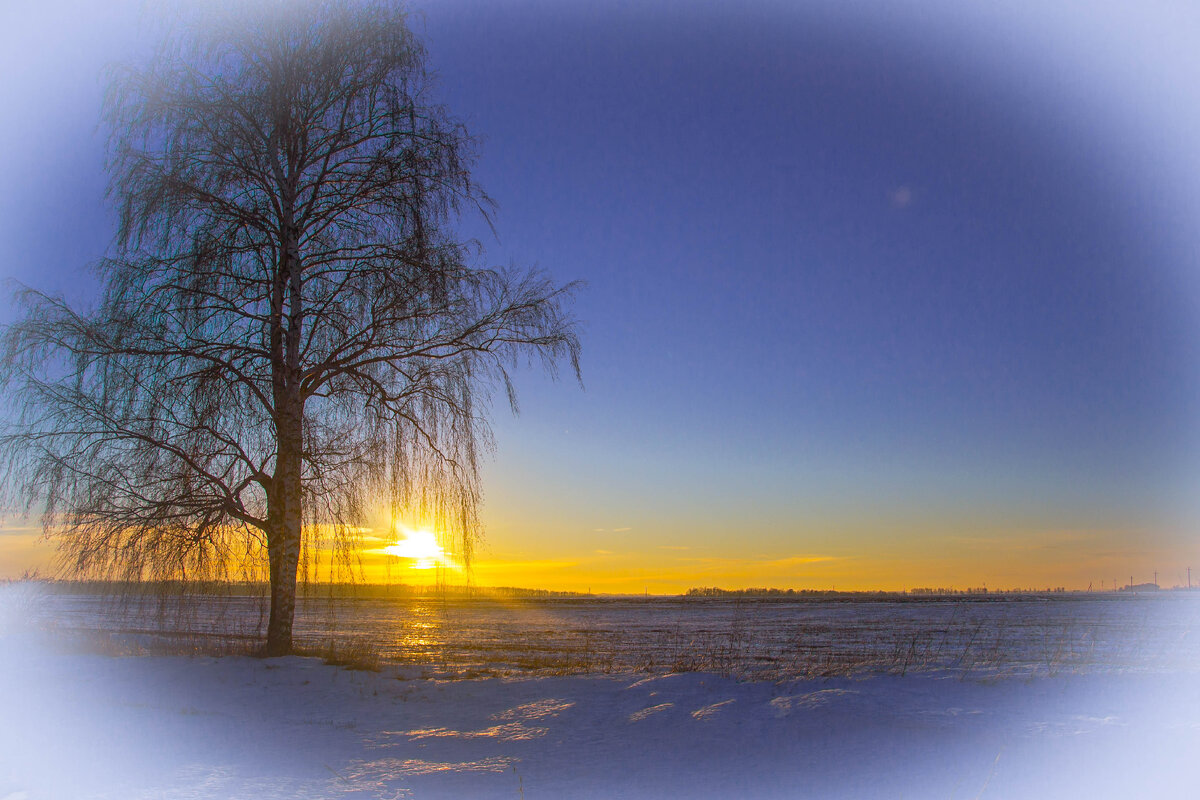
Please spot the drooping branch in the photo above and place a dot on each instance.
(290, 332)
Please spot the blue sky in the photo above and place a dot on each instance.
(851, 275)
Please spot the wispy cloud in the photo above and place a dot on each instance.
(789, 561)
(20, 530)
(1026, 540)
(754, 569)
(532, 565)
(796, 561)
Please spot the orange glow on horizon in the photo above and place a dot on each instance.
(669, 557)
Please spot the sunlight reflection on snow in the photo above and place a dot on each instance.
(507, 732)
(550, 707)
(638, 716)
(709, 710)
(387, 769)
(786, 705)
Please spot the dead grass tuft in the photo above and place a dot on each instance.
(347, 653)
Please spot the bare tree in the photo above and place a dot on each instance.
(289, 331)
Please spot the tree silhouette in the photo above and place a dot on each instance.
(289, 331)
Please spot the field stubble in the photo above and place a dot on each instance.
(744, 638)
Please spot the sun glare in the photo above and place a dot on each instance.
(421, 547)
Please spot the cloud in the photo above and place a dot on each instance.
(766, 562)
(796, 561)
(21, 553)
(749, 568)
(21, 530)
(543, 564)
(1026, 540)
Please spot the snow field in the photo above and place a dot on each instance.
(75, 724)
(90, 726)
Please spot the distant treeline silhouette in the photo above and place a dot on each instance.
(713, 591)
(921, 591)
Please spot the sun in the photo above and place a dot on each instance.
(420, 546)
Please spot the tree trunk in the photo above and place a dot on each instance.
(284, 499)
(285, 516)
(284, 555)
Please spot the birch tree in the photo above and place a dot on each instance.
(289, 330)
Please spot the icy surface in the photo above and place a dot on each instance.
(79, 725)
(764, 639)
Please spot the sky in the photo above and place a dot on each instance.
(875, 295)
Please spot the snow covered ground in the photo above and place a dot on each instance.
(78, 725)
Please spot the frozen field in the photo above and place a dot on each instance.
(764, 639)
(85, 726)
(76, 724)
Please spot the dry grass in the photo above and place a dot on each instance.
(348, 653)
(733, 642)
(733, 653)
(138, 643)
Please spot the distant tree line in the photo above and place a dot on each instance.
(944, 590)
(713, 591)
(920, 591)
